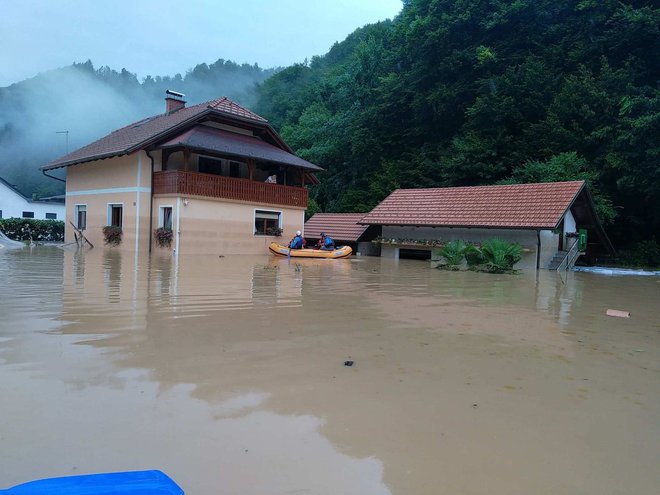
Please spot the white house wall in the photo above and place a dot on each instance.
(526, 238)
(12, 205)
(569, 223)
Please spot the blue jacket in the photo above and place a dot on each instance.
(328, 243)
(296, 242)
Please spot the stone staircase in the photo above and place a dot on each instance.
(557, 259)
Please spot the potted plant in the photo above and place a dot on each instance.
(112, 235)
(163, 237)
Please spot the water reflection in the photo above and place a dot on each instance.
(228, 373)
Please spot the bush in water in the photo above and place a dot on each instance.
(29, 229)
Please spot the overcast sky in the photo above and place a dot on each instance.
(165, 37)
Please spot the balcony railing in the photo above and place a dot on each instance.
(184, 183)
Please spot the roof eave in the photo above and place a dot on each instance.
(459, 226)
(146, 143)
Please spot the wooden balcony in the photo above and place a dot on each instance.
(183, 183)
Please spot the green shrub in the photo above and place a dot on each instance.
(499, 255)
(112, 235)
(643, 254)
(473, 256)
(454, 253)
(29, 229)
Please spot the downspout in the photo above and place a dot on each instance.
(538, 249)
(151, 202)
(52, 176)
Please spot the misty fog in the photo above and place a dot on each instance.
(89, 104)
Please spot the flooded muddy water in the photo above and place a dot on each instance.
(228, 374)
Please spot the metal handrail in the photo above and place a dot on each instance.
(571, 256)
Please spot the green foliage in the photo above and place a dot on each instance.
(312, 208)
(163, 237)
(454, 253)
(565, 167)
(643, 254)
(499, 256)
(112, 235)
(468, 93)
(29, 229)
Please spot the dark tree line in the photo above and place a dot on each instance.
(468, 92)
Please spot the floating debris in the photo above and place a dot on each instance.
(618, 313)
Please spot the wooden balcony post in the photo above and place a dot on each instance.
(250, 165)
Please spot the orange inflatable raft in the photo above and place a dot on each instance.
(280, 250)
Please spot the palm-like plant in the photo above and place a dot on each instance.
(454, 252)
(499, 255)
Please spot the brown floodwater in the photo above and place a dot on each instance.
(228, 374)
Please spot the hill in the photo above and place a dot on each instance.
(482, 92)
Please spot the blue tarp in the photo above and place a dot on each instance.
(130, 483)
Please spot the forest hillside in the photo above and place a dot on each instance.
(457, 93)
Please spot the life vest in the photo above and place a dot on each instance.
(296, 242)
(328, 241)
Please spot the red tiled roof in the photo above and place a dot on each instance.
(340, 226)
(202, 137)
(527, 206)
(225, 105)
(138, 134)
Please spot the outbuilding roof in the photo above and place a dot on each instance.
(521, 206)
(340, 226)
(145, 132)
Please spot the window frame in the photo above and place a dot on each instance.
(256, 232)
(161, 216)
(27, 214)
(53, 216)
(111, 207)
(76, 214)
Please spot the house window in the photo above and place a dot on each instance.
(51, 216)
(81, 217)
(115, 214)
(28, 214)
(207, 165)
(166, 217)
(267, 222)
(0, 213)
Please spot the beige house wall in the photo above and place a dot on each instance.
(201, 225)
(207, 226)
(123, 180)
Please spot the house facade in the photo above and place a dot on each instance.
(14, 205)
(215, 174)
(554, 222)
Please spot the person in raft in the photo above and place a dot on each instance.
(325, 242)
(297, 242)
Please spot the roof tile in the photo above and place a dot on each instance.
(127, 138)
(529, 206)
(340, 226)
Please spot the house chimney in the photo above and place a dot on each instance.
(174, 101)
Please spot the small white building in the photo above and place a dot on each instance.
(14, 205)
